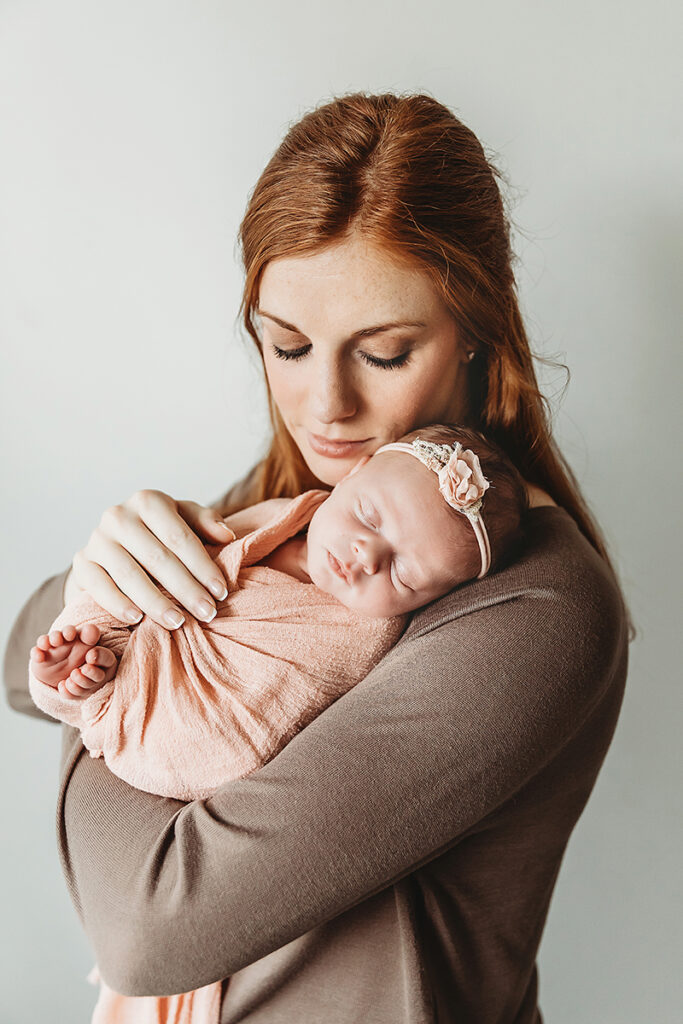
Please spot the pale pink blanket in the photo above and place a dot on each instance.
(192, 708)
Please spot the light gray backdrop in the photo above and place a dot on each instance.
(131, 134)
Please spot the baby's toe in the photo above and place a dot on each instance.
(90, 633)
(43, 642)
(101, 656)
(76, 684)
(92, 672)
(37, 654)
(70, 633)
(56, 638)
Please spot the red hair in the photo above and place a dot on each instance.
(415, 181)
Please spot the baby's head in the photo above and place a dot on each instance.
(387, 541)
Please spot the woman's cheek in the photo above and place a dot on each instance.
(284, 385)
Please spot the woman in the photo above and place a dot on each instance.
(396, 860)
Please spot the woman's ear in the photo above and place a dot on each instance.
(354, 469)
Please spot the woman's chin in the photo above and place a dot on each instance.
(328, 472)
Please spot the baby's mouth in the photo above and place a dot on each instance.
(338, 569)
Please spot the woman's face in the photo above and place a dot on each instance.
(334, 375)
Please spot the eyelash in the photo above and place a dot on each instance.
(382, 364)
(364, 519)
(404, 585)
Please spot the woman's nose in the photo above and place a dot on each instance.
(332, 394)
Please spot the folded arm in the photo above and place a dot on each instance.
(36, 617)
(445, 729)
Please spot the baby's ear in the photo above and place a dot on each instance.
(354, 469)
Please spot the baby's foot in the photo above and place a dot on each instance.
(69, 661)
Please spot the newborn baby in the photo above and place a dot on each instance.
(178, 713)
(308, 614)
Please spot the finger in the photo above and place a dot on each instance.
(140, 551)
(205, 520)
(176, 531)
(130, 578)
(97, 582)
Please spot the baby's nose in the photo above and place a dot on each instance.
(367, 558)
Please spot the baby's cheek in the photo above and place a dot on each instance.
(381, 601)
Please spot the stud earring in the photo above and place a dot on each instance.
(470, 356)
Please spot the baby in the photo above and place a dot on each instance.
(178, 713)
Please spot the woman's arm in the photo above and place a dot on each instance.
(36, 617)
(455, 719)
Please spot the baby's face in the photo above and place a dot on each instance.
(385, 542)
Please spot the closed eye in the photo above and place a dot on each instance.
(395, 575)
(290, 353)
(386, 364)
(363, 519)
(382, 364)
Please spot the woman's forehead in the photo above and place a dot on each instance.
(363, 282)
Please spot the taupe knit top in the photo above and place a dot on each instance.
(394, 863)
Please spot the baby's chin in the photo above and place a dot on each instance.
(362, 606)
(370, 611)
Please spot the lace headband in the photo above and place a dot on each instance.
(461, 482)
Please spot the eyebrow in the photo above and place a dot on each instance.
(364, 332)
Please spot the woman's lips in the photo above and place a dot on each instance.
(335, 449)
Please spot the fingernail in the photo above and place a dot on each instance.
(205, 611)
(131, 616)
(226, 527)
(218, 589)
(173, 619)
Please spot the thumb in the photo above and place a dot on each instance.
(206, 520)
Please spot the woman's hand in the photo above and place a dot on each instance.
(151, 537)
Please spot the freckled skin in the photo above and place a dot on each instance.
(334, 392)
(331, 390)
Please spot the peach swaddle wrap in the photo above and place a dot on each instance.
(205, 703)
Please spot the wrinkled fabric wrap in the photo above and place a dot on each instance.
(191, 708)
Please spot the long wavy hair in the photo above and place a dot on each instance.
(404, 171)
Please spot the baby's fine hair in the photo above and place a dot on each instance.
(505, 501)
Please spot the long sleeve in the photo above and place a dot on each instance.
(483, 691)
(36, 617)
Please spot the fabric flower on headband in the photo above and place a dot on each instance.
(461, 480)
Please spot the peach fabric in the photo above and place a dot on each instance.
(203, 1005)
(192, 708)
